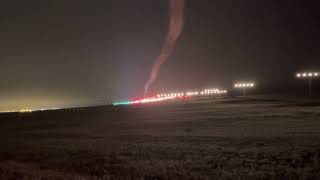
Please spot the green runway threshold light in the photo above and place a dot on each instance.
(121, 103)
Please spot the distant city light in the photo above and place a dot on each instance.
(25, 110)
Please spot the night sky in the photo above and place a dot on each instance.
(76, 52)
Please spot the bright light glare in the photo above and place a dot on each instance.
(121, 103)
(144, 100)
(244, 85)
(307, 74)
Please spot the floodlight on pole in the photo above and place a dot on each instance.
(309, 76)
(244, 86)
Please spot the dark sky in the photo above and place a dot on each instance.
(74, 52)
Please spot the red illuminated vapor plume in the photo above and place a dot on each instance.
(175, 29)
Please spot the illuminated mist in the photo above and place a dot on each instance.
(175, 29)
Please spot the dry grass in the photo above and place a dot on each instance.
(207, 139)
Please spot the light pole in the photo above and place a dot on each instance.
(244, 86)
(309, 76)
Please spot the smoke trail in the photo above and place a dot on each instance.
(175, 29)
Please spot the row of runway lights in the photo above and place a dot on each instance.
(170, 96)
(144, 100)
(243, 85)
(194, 93)
(310, 74)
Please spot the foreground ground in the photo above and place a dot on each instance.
(230, 138)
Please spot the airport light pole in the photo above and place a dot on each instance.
(309, 76)
(244, 86)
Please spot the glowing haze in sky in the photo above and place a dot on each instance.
(175, 29)
(59, 53)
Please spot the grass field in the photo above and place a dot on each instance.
(228, 138)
